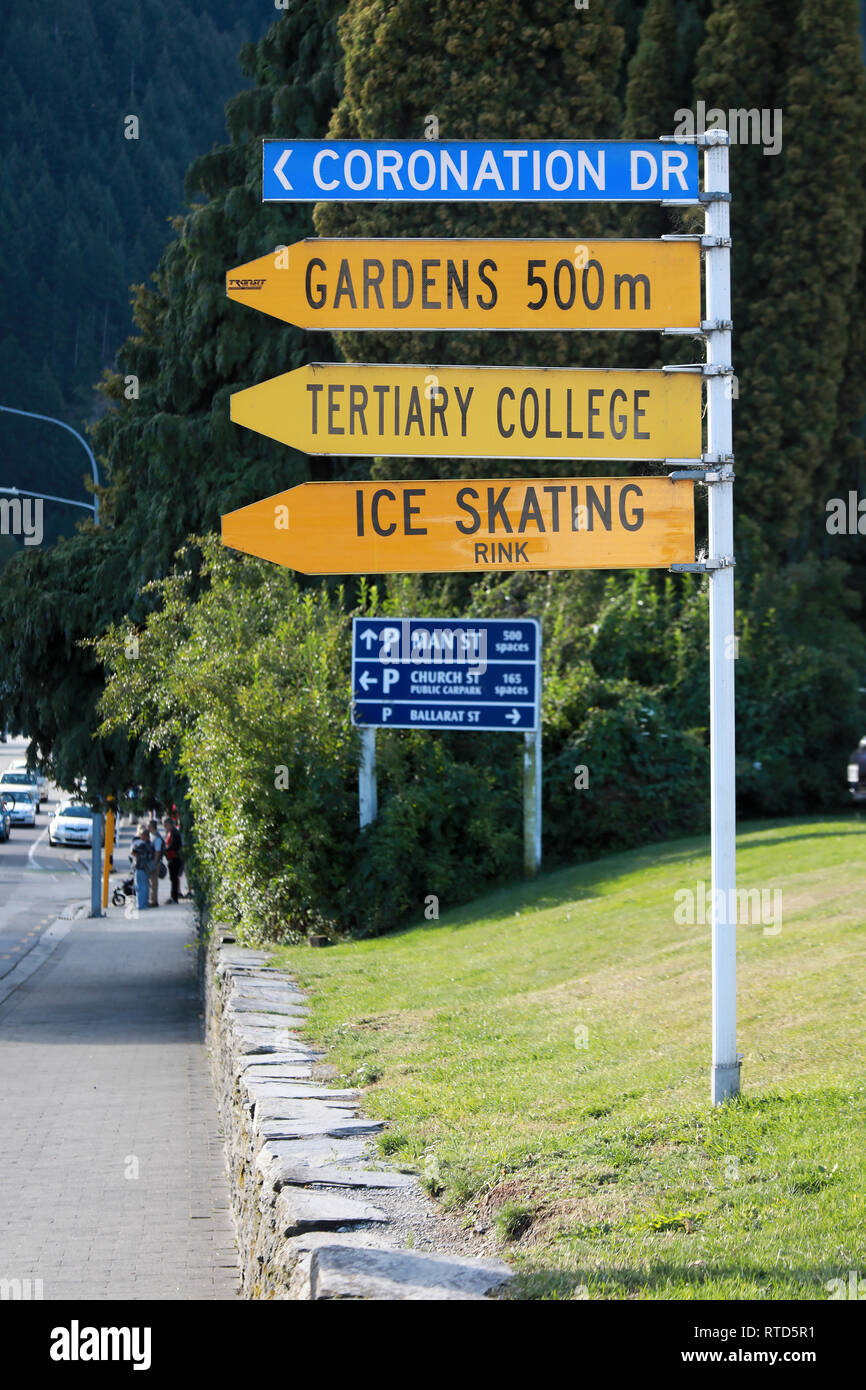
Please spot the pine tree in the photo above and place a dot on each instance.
(798, 301)
(195, 346)
(743, 64)
(653, 77)
(652, 97)
(82, 210)
(506, 70)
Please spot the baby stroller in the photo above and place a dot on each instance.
(124, 890)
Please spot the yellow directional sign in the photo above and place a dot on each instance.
(478, 412)
(455, 284)
(470, 524)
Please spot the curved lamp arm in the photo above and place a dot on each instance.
(32, 415)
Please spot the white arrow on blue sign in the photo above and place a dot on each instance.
(499, 171)
(435, 673)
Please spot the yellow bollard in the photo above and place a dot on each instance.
(109, 849)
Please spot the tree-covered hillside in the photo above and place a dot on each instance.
(171, 459)
(83, 209)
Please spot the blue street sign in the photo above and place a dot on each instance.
(439, 673)
(460, 171)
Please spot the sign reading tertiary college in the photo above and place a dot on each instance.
(417, 284)
(478, 412)
(497, 171)
(440, 525)
(437, 673)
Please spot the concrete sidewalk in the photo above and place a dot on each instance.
(112, 1177)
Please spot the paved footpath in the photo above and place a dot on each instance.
(112, 1178)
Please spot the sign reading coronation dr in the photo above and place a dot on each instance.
(439, 673)
(386, 284)
(498, 171)
(478, 412)
(470, 524)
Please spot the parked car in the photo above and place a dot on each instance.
(22, 804)
(72, 824)
(38, 777)
(20, 781)
(5, 820)
(857, 772)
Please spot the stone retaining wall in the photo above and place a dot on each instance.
(317, 1215)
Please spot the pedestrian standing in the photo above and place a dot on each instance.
(173, 846)
(142, 857)
(158, 851)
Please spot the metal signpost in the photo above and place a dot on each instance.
(510, 413)
(726, 1059)
(475, 674)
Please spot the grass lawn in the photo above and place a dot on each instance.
(542, 1057)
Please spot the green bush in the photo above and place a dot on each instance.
(246, 691)
(245, 695)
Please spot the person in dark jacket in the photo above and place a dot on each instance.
(173, 846)
(143, 860)
(158, 851)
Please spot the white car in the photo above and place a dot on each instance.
(38, 777)
(72, 824)
(20, 782)
(21, 805)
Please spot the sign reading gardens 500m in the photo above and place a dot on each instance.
(478, 412)
(458, 284)
(470, 524)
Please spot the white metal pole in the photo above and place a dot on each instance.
(532, 802)
(538, 797)
(725, 1081)
(367, 795)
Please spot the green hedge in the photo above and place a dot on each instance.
(245, 695)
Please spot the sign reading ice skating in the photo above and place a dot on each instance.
(470, 524)
(498, 171)
(471, 673)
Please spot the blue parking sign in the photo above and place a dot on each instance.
(478, 674)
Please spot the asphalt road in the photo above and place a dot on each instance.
(36, 882)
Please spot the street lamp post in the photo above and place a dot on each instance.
(32, 415)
